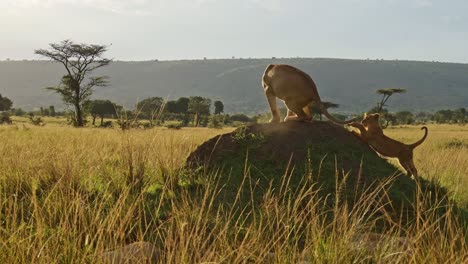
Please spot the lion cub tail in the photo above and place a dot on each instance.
(419, 142)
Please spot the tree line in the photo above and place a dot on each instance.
(200, 111)
(194, 109)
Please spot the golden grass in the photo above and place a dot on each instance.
(68, 194)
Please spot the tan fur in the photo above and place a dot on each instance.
(296, 89)
(371, 133)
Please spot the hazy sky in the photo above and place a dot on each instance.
(187, 29)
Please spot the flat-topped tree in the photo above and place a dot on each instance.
(380, 107)
(386, 93)
(79, 60)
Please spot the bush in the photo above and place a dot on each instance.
(240, 118)
(36, 120)
(126, 124)
(18, 112)
(107, 124)
(204, 121)
(174, 126)
(216, 121)
(148, 125)
(5, 118)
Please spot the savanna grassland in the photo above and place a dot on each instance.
(67, 194)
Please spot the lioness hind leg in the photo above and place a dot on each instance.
(298, 110)
(290, 113)
(308, 112)
(275, 117)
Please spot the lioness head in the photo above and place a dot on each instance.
(371, 120)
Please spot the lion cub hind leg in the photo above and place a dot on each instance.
(408, 165)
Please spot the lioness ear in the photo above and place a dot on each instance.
(376, 116)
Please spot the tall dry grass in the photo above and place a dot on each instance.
(66, 195)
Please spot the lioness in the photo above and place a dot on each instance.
(371, 133)
(296, 89)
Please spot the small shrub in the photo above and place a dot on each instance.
(216, 121)
(174, 126)
(148, 125)
(204, 121)
(107, 124)
(456, 143)
(240, 118)
(248, 139)
(126, 124)
(5, 118)
(36, 120)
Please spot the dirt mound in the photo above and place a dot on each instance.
(281, 143)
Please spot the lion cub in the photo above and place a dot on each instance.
(372, 134)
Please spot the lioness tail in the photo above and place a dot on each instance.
(332, 118)
(265, 78)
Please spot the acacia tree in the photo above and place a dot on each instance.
(460, 115)
(151, 108)
(404, 117)
(386, 94)
(170, 107)
(79, 60)
(101, 108)
(182, 105)
(199, 106)
(380, 108)
(5, 103)
(443, 116)
(52, 110)
(219, 107)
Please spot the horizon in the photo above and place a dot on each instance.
(251, 58)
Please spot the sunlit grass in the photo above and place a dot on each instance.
(66, 195)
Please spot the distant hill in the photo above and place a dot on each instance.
(350, 83)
